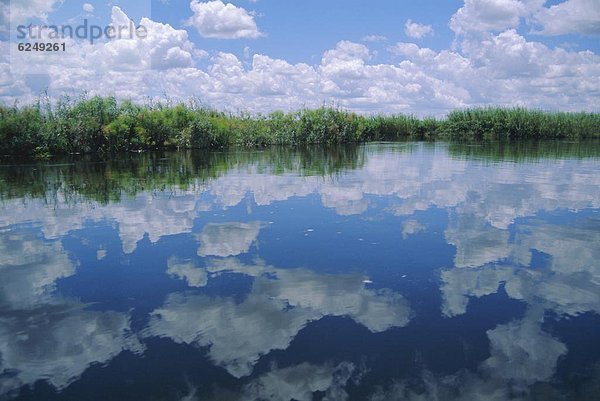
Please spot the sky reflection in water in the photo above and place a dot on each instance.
(381, 272)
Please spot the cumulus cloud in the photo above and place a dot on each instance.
(121, 59)
(491, 63)
(336, 295)
(412, 51)
(416, 30)
(571, 16)
(163, 47)
(88, 8)
(343, 64)
(497, 70)
(238, 334)
(374, 38)
(215, 19)
(19, 11)
(491, 15)
(567, 17)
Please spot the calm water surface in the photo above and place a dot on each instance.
(403, 271)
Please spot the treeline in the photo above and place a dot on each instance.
(103, 125)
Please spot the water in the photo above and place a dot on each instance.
(378, 272)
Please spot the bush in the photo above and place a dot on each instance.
(21, 131)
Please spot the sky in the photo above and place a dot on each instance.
(258, 56)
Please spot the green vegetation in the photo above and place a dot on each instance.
(519, 123)
(105, 126)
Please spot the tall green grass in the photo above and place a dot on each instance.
(104, 126)
(520, 123)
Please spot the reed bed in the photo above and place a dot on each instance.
(103, 125)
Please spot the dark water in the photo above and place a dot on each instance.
(402, 271)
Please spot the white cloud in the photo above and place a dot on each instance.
(22, 10)
(215, 19)
(501, 68)
(413, 52)
(237, 333)
(374, 38)
(157, 216)
(346, 51)
(571, 16)
(118, 61)
(416, 30)
(496, 70)
(567, 17)
(338, 296)
(491, 15)
(88, 8)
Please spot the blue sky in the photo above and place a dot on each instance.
(387, 56)
(300, 31)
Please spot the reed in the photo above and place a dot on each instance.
(102, 125)
(519, 123)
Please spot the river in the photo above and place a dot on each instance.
(385, 271)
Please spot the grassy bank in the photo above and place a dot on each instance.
(103, 125)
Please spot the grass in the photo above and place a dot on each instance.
(102, 125)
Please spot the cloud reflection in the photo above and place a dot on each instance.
(300, 382)
(187, 270)
(569, 282)
(44, 336)
(414, 178)
(227, 239)
(521, 354)
(281, 303)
